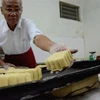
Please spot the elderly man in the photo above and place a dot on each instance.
(15, 36)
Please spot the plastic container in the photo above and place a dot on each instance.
(92, 56)
(99, 77)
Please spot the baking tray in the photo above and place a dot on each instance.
(49, 82)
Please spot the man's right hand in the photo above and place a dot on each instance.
(7, 65)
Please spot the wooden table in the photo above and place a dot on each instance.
(90, 95)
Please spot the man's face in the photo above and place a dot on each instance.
(12, 10)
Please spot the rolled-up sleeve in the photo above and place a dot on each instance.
(32, 30)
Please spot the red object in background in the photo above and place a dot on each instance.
(98, 57)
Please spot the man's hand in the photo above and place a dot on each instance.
(61, 47)
(7, 65)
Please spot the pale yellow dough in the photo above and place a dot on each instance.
(59, 60)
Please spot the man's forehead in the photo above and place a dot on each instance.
(11, 2)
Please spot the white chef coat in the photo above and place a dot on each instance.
(17, 41)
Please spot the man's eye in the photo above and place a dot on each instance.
(17, 10)
(9, 9)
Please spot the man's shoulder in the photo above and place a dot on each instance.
(2, 22)
(26, 21)
(2, 25)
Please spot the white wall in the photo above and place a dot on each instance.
(1, 17)
(91, 12)
(45, 14)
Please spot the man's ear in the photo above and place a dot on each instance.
(1, 10)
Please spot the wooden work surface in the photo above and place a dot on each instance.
(90, 95)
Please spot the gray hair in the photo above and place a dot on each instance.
(1, 1)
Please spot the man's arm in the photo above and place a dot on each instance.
(4, 64)
(48, 45)
(1, 51)
(1, 61)
(43, 42)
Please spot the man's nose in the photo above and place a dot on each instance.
(12, 13)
